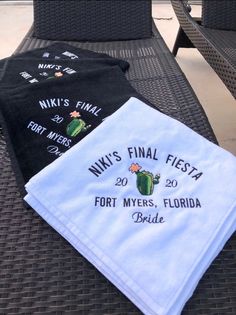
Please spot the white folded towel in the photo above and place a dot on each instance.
(144, 198)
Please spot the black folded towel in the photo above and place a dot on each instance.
(43, 120)
(54, 61)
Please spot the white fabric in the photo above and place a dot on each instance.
(157, 265)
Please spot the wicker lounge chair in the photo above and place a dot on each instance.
(40, 272)
(214, 35)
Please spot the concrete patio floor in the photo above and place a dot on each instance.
(216, 100)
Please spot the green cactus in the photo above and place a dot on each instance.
(145, 180)
(76, 126)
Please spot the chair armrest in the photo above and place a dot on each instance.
(182, 10)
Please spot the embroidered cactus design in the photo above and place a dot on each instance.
(77, 125)
(145, 180)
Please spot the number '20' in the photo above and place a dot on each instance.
(57, 119)
(171, 183)
(121, 181)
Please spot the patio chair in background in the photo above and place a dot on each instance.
(214, 35)
(40, 272)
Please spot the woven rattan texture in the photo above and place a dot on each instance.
(40, 272)
(216, 46)
(219, 14)
(87, 20)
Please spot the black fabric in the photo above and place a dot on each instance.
(19, 72)
(50, 98)
(37, 118)
(24, 68)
